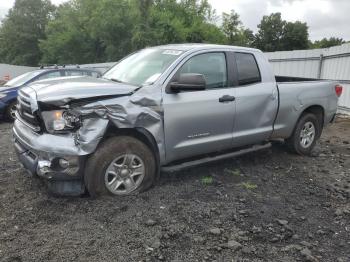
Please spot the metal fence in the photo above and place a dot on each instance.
(329, 63)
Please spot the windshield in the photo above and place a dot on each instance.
(22, 79)
(143, 67)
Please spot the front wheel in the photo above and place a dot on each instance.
(305, 134)
(121, 165)
(11, 111)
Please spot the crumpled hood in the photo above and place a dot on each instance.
(63, 90)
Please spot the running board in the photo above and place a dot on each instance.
(214, 158)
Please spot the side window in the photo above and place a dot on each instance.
(211, 65)
(95, 74)
(248, 70)
(50, 75)
(74, 73)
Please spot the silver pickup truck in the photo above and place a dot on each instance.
(164, 108)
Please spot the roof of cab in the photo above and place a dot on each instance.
(48, 69)
(199, 46)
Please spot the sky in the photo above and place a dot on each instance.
(325, 18)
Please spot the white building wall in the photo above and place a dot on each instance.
(12, 71)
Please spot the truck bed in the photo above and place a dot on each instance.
(297, 94)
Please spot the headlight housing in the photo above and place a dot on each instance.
(60, 121)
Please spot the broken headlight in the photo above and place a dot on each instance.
(60, 120)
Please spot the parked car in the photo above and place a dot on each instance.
(8, 92)
(164, 108)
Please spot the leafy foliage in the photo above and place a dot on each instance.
(22, 29)
(276, 34)
(270, 33)
(88, 31)
(79, 34)
(327, 42)
(295, 36)
(235, 33)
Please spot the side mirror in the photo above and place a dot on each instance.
(189, 82)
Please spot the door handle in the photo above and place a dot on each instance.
(226, 98)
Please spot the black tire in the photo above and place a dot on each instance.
(294, 141)
(9, 113)
(104, 156)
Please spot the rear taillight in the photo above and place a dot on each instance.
(338, 90)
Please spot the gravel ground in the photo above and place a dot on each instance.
(265, 206)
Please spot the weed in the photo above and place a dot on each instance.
(235, 172)
(207, 180)
(249, 185)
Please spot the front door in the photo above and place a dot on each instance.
(200, 122)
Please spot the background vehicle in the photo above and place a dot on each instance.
(164, 108)
(8, 92)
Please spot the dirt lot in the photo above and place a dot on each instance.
(266, 206)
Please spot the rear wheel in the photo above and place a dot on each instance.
(11, 111)
(305, 134)
(120, 166)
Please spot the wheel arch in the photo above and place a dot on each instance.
(139, 133)
(316, 110)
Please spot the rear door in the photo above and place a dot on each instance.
(256, 101)
(199, 122)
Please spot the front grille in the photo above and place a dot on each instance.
(24, 111)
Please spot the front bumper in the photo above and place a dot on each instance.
(41, 153)
(64, 180)
(48, 166)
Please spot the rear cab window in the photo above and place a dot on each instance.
(74, 73)
(247, 69)
(94, 74)
(82, 73)
(52, 74)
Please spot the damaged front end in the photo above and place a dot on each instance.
(54, 135)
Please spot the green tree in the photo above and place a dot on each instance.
(22, 29)
(231, 25)
(270, 33)
(86, 31)
(81, 34)
(327, 42)
(184, 21)
(142, 35)
(295, 36)
(234, 31)
(275, 34)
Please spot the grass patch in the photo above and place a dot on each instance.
(235, 172)
(207, 180)
(249, 185)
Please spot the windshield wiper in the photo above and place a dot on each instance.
(115, 80)
(118, 81)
